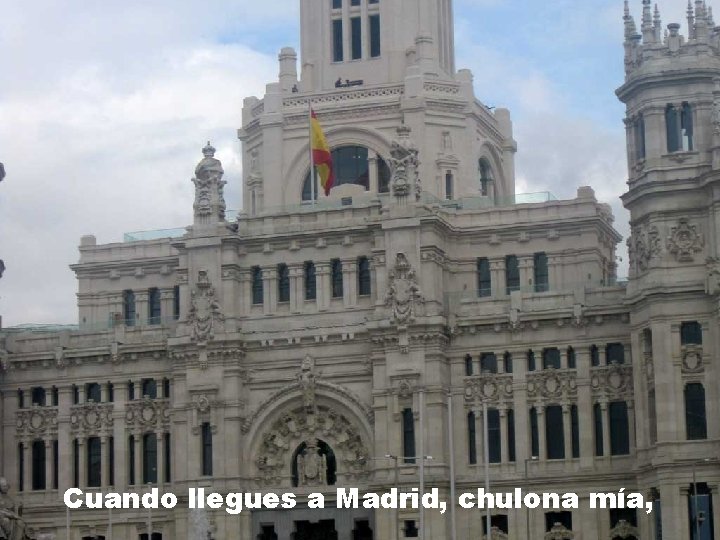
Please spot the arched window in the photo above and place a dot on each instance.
(486, 176)
(639, 134)
(351, 165)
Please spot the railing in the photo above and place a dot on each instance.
(96, 326)
(159, 234)
(472, 203)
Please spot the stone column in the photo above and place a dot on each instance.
(631, 425)
(567, 431)
(65, 446)
(27, 465)
(349, 270)
(104, 461)
(504, 448)
(82, 462)
(296, 288)
(167, 298)
(479, 436)
(605, 427)
(322, 276)
(120, 436)
(160, 458)
(526, 266)
(554, 272)
(269, 275)
(141, 307)
(497, 277)
(48, 464)
(372, 164)
(585, 408)
(542, 439)
(138, 459)
(245, 292)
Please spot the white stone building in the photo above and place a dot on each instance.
(392, 332)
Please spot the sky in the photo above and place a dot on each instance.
(104, 107)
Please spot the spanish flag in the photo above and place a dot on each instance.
(322, 159)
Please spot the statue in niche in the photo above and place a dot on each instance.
(403, 295)
(12, 525)
(307, 381)
(208, 176)
(404, 164)
(311, 465)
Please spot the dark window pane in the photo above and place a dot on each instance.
(150, 458)
(336, 278)
(449, 186)
(598, 420)
(534, 435)
(38, 465)
(364, 282)
(563, 518)
(76, 463)
(336, 4)
(257, 285)
(283, 283)
(508, 362)
(154, 315)
(472, 444)
(149, 388)
(168, 457)
(110, 392)
(408, 425)
(131, 460)
(176, 302)
(575, 429)
(337, 29)
(686, 127)
(129, 308)
(468, 365)
(356, 37)
(207, 450)
(542, 282)
(486, 176)
(531, 361)
(615, 353)
(594, 356)
(512, 274)
(310, 281)
(93, 392)
(691, 333)
(56, 464)
(571, 358)
(640, 138)
(511, 434)
(554, 432)
(619, 429)
(111, 459)
(488, 363)
(673, 133)
(695, 412)
(131, 390)
(551, 359)
(484, 278)
(38, 396)
(494, 439)
(374, 35)
(94, 462)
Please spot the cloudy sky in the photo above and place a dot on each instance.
(104, 107)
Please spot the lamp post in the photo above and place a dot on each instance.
(486, 445)
(527, 510)
(396, 535)
(149, 525)
(696, 516)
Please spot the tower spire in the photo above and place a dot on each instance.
(690, 20)
(648, 31)
(630, 28)
(657, 23)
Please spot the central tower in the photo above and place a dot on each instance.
(378, 73)
(373, 39)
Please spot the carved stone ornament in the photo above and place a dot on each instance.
(494, 389)
(205, 313)
(404, 165)
(692, 359)
(91, 418)
(643, 246)
(12, 525)
(559, 532)
(148, 414)
(716, 114)
(403, 295)
(286, 434)
(37, 423)
(685, 241)
(311, 465)
(713, 276)
(306, 379)
(615, 380)
(551, 384)
(4, 360)
(623, 529)
(209, 185)
(496, 534)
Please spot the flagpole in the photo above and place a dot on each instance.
(312, 161)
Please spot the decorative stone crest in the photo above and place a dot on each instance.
(692, 359)
(289, 432)
(623, 529)
(148, 414)
(312, 465)
(552, 384)
(404, 165)
(489, 388)
(38, 422)
(91, 418)
(643, 246)
(559, 532)
(209, 198)
(685, 241)
(613, 381)
(403, 295)
(205, 311)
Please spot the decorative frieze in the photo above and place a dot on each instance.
(552, 386)
(91, 419)
(489, 388)
(685, 241)
(148, 414)
(612, 382)
(37, 423)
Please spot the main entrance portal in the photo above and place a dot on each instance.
(306, 524)
(322, 530)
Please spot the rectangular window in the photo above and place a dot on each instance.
(468, 365)
(111, 460)
(76, 463)
(484, 278)
(93, 392)
(56, 464)
(686, 127)
(575, 430)
(551, 358)
(449, 195)
(472, 439)
(508, 362)
(76, 394)
(563, 518)
(594, 356)
(207, 449)
(410, 529)
(154, 314)
(55, 396)
(337, 37)
(488, 363)
(408, 425)
(176, 302)
(167, 449)
(149, 388)
(150, 458)
(672, 129)
(310, 281)
(94, 462)
(21, 467)
(494, 438)
(336, 4)
(336, 278)
(511, 435)
(531, 361)
(257, 286)
(21, 399)
(131, 390)
(354, 2)
(110, 392)
(356, 37)
(131, 460)
(166, 388)
(512, 274)
(363, 274)
(38, 465)
(283, 282)
(554, 432)
(691, 333)
(129, 308)
(695, 412)
(598, 421)
(374, 35)
(534, 435)
(615, 353)
(571, 358)
(542, 280)
(619, 429)
(38, 396)
(639, 128)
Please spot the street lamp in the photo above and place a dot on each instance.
(527, 510)
(696, 516)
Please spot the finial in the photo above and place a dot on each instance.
(630, 28)
(657, 23)
(711, 19)
(209, 150)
